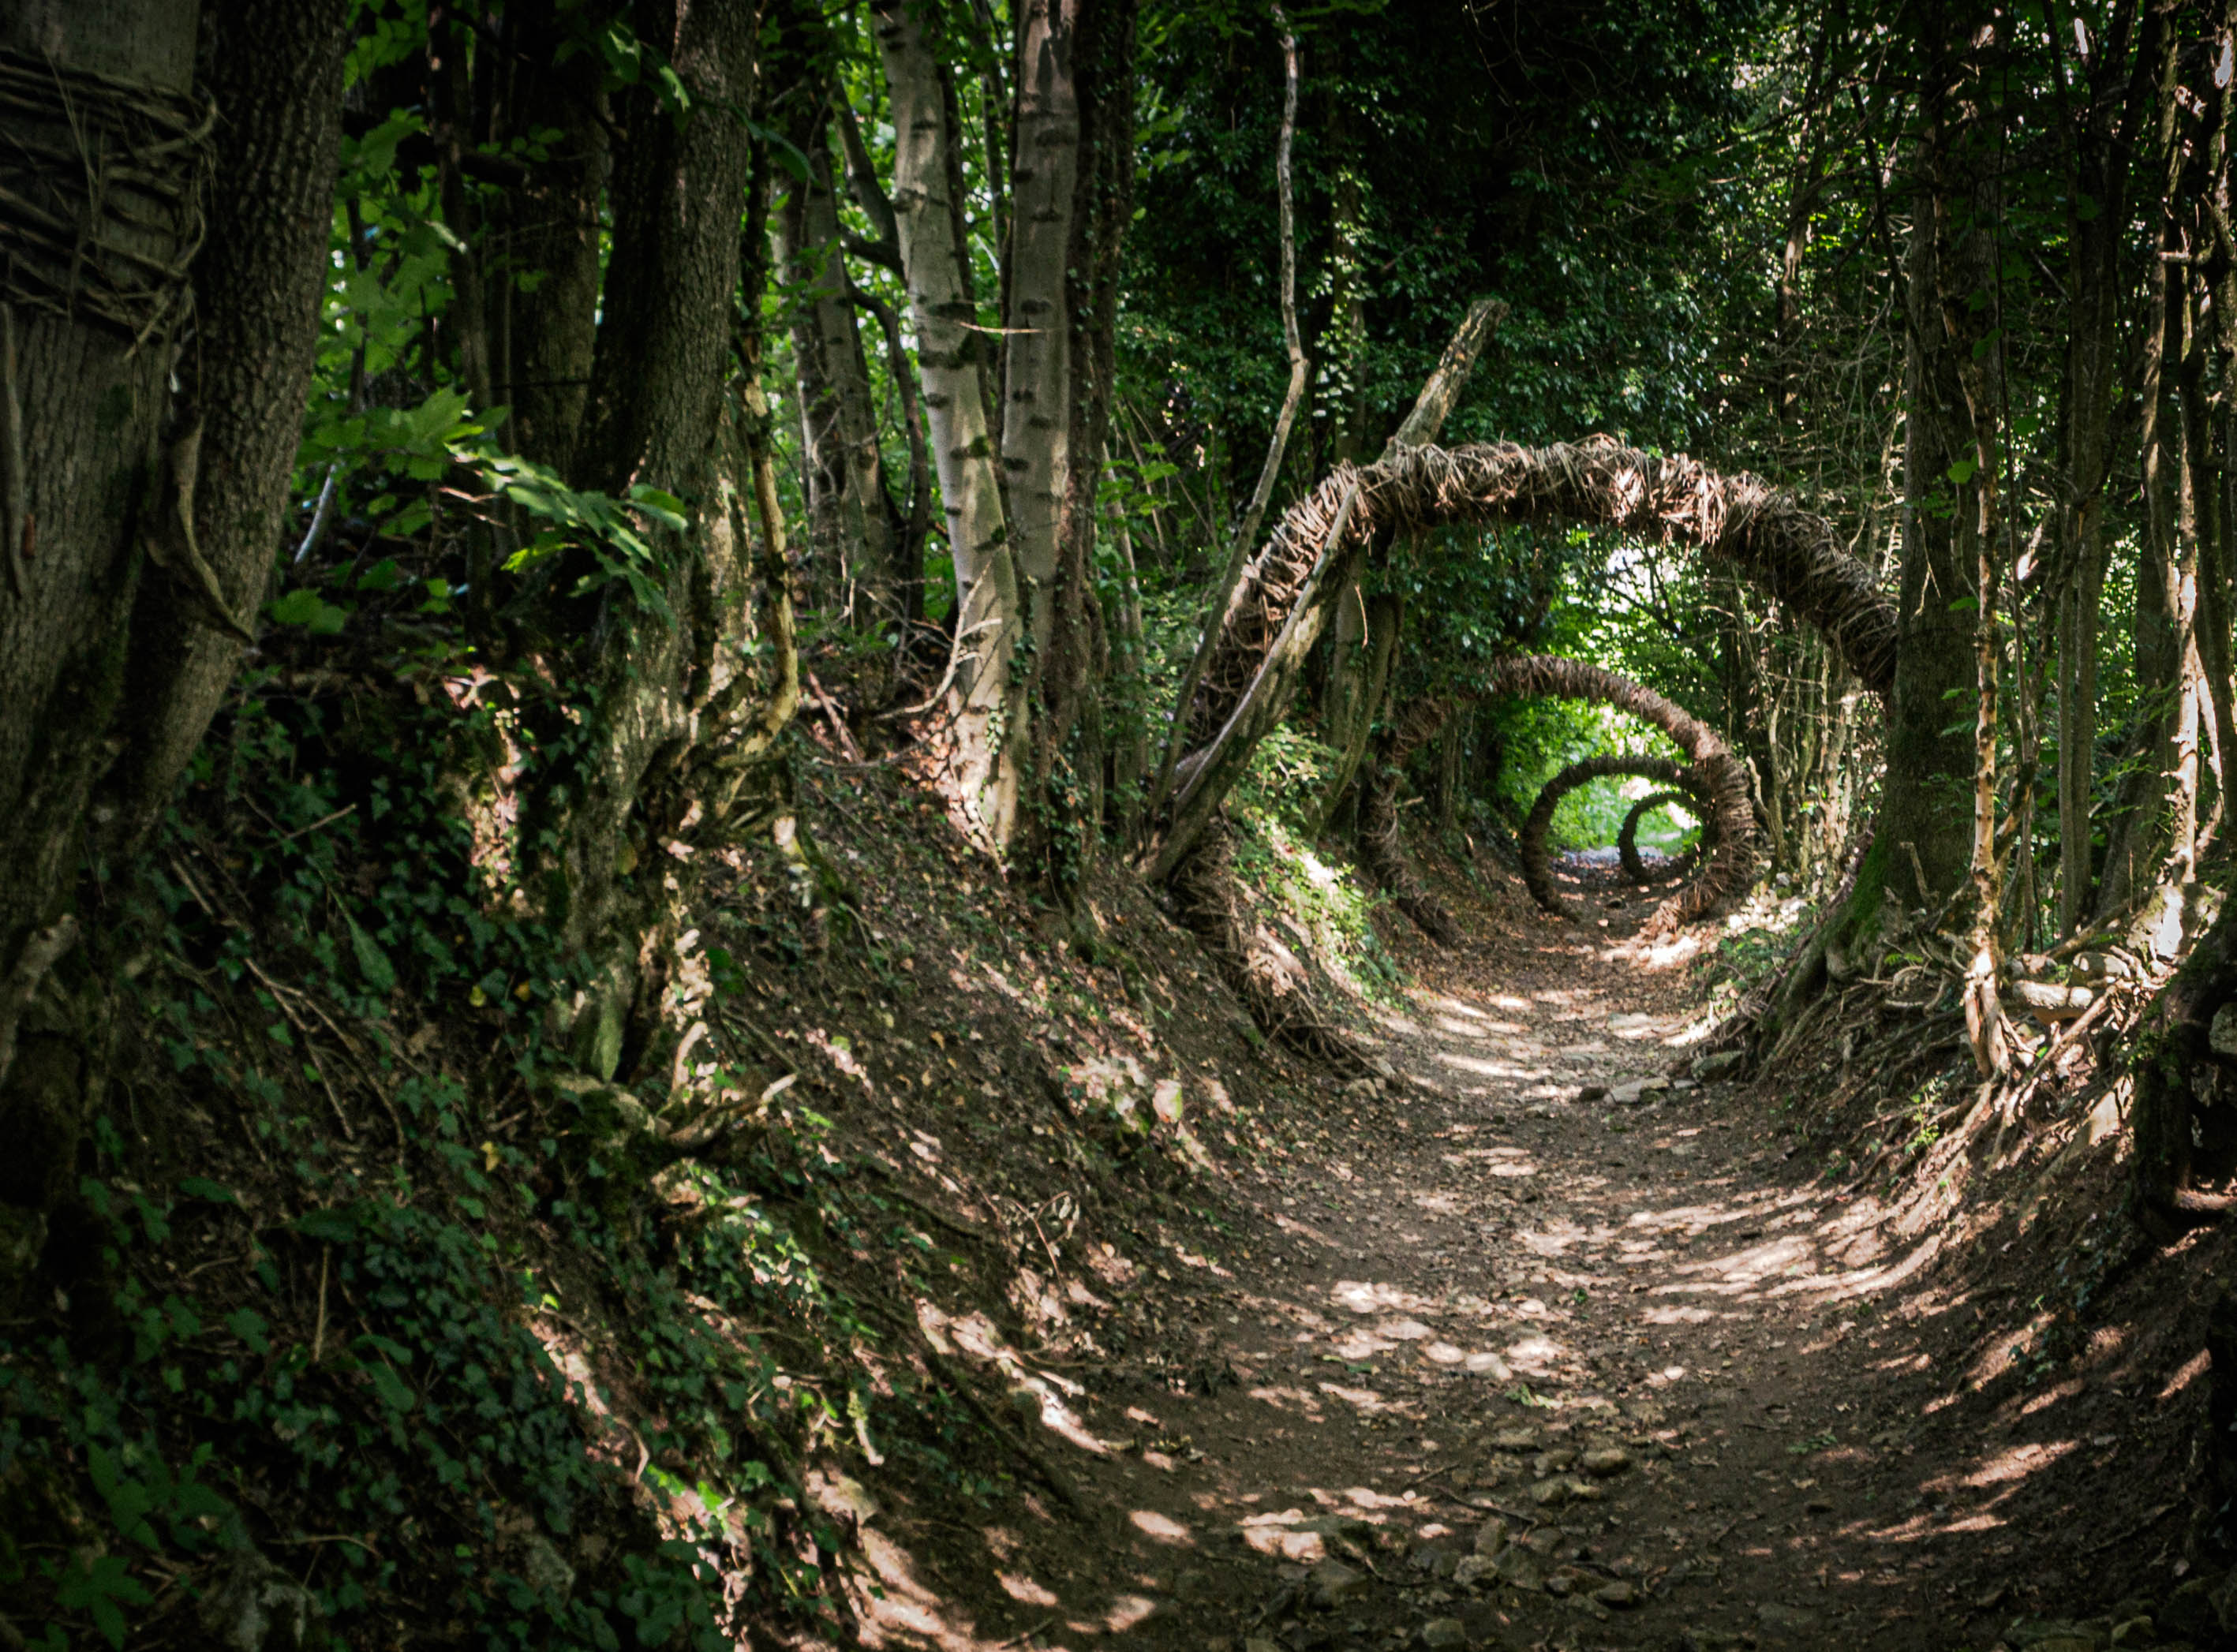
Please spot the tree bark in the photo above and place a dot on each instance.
(1924, 819)
(276, 67)
(553, 225)
(85, 406)
(853, 534)
(986, 702)
(2140, 831)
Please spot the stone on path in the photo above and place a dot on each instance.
(1336, 1584)
(1722, 1064)
(1444, 1632)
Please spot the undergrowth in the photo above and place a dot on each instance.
(419, 1345)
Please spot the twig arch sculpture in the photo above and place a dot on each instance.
(1280, 607)
(1626, 839)
(1537, 863)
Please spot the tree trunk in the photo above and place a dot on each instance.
(654, 418)
(985, 703)
(276, 67)
(85, 407)
(553, 226)
(2140, 831)
(105, 663)
(1068, 726)
(1925, 823)
(853, 534)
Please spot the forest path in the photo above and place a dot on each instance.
(1632, 1328)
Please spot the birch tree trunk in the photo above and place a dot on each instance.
(986, 706)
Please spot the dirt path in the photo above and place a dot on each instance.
(1517, 1368)
(1507, 1351)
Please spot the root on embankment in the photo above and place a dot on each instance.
(1275, 984)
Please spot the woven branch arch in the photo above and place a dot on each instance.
(1626, 839)
(1711, 773)
(1280, 606)
(1790, 553)
(1537, 863)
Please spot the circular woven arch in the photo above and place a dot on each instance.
(1626, 839)
(1711, 772)
(1537, 865)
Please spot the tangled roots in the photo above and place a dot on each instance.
(1383, 852)
(1273, 982)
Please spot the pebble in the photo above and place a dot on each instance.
(1444, 1632)
(1620, 1594)
(1564, 1488)
(1613, 1459)
(1336, 1584)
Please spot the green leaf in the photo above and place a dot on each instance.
(372, 963)
(332, 1226)
(250, 1326)
(298, 606)
(1962, 472)
(203, 1188)
(394, 1392)
(662, 507)
(97, 1588)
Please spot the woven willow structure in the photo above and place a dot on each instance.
(1537, 863)
(1626, 839)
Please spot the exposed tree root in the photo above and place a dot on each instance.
(1382, 851)
(1275, 984)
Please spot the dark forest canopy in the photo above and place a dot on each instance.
(476, 479)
